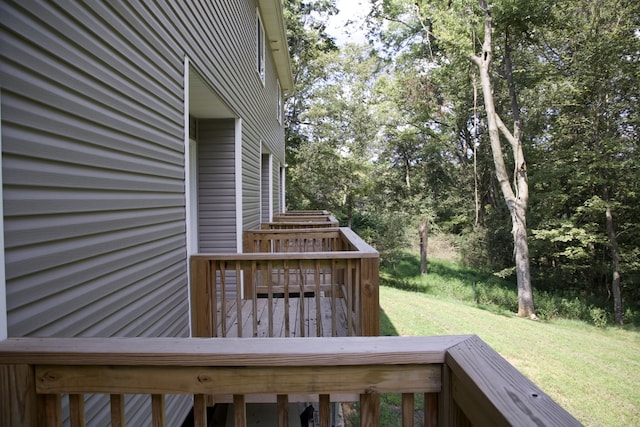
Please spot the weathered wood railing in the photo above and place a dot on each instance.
(308, 282)
(463, 381)
(302, 219)
(304, 240)
(284, 294)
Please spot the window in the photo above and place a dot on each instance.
(260, 47)
(279, 106)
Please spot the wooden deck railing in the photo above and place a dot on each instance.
(462, 380)
(288, 283)
(301, 219)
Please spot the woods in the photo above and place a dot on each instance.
(510, 126)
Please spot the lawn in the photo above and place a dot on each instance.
(592, 372)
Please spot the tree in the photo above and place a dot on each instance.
(516, 197)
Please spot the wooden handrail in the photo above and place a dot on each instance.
(463, 379)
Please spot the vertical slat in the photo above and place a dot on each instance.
(325, 411)
(254, 297)
(239, 411)
(270, 295)
(199, 410)
(357, 306)
(76, 410)
(239, 319)
(407, 409)
(117, 410)
(349, 297)
(223, 299)
(334, 305)
(53, 410)
(430, 409)
(283, 410)
(370, 409)
(157, 410)
(212, 289)
(287, 327)
(316, 273)
(302, 300)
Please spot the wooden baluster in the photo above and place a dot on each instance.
(157, 410)
(117, 410)
(302, 299)
(239, 318)
(349, 298)
(53, 410)
(287, 327)
(212, 285)
(407, 409)
(283, 410)
(223, 300)
(254, 296)
(316, 273)
(76, 410)
(357, 307)
(199, 410)
(334, 291)
(370, 409)
(325, 411)
(270, 295)
(430, 409)
(239, 411)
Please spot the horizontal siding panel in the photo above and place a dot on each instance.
(117, 266)
(22, 116)
(40, 229)
(94, 302)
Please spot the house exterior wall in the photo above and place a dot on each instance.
(216, 186)
(93, 157)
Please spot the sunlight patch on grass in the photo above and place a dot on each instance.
(592, 372)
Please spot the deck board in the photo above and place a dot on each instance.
(307, 328)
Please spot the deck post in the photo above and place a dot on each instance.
(370, 297)
(18, 400)
(201, 310)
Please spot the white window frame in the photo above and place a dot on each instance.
(260, 47)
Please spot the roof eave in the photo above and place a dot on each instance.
(273, 21)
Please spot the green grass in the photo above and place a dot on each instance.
(594, 373)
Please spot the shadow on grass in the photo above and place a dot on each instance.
(386, 326)
(451, 280)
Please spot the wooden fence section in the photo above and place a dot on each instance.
(305, 282)
(285, 294)
(462, 380)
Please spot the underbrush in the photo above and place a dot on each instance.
(448, 279)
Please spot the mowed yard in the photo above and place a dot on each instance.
(593, 373)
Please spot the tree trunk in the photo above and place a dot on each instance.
(424, 239)
(516, 203)
(615, 264)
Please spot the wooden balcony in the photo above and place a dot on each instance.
(461, 380)
(288, 283)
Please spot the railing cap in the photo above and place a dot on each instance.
(323, 351)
